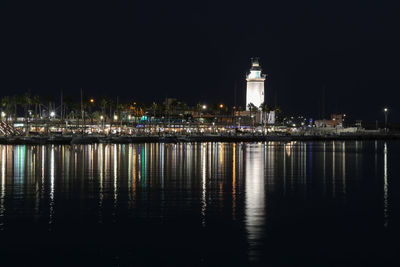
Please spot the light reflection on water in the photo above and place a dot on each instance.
(242, 183)
(255, 208)
(385, 185)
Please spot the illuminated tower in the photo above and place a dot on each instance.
(255, 84)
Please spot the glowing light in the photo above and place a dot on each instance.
(221, 106)
(204, 107)
(3, 114)
(115, 117)
(101, 117)
(91, 100)
(52, 114)
(385, 109)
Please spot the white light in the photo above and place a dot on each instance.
(52, 114)
(3, 114)
(115, 117)
(204, 106)
(101, 117)
(385, 109)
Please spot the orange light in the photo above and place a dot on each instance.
(91, 100)
(221, 105)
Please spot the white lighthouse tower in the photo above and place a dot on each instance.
(255, 84)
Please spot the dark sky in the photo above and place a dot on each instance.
(197, 50)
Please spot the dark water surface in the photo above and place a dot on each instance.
(203, 204)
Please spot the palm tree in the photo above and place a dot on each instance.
(15, 100)
(182, 106)
(252, 108)
(167, 114)
(154, 107)
(26, 102)
(278, 114)
(104, 102)
(7, 104)
(110, 104)
(36, 102)
(199, 107)
(239, 109)
(76, 110)
(264, 108)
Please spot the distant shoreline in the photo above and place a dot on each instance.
(88, 139)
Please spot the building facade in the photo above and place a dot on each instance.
(255, 85)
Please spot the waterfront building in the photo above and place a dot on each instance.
(255, 85)
(336, 120)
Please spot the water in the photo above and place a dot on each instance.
(200, 204)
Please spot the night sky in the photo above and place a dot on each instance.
(197, 51)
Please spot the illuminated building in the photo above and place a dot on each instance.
(255, 85)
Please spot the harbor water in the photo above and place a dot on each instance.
(333, 203)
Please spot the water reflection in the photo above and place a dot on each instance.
(52, 174)
(202, 181)
(2, 186)
(385, 185)
(344, 167)
(255, 197)
(203, 184)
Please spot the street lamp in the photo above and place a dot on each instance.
(204, 107)
(52, 114)
(343, 118)
(91, 100)
(386, 111)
